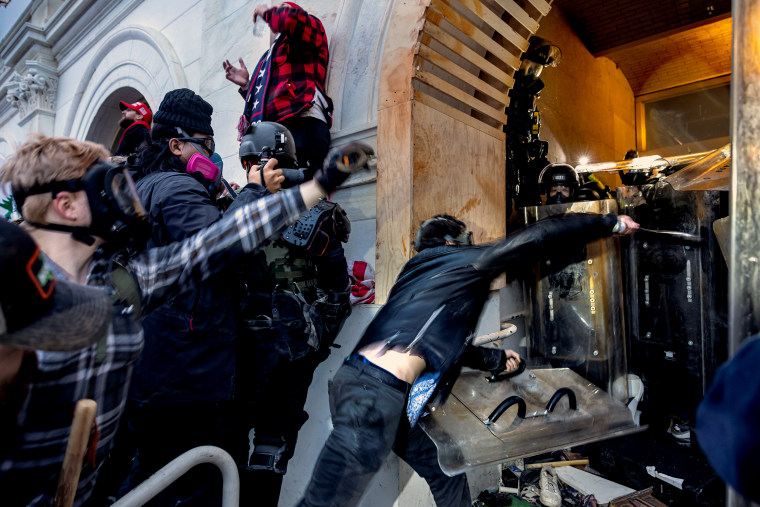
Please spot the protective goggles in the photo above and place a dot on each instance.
(207, 143)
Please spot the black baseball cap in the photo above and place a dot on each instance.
(39, 312)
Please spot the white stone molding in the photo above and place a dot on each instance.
(136, 56)
(32, 90)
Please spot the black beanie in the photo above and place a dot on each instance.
(183, 108)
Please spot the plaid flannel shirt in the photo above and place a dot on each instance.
(29, 474)
(299, 65)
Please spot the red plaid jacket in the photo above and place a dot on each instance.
(299, 65)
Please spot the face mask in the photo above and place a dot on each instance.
(209, 168)
(118, 215)
(558, 198)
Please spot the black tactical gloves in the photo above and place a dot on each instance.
(341, 162)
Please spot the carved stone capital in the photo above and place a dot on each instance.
(34, 89)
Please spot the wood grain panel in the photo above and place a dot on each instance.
(435, 32)
(494, 21)
(399, 51)
(464, 178)
(457, 114)
(541, 6)
(519, 14)
(440, 10)
(394, 195)
(454, 92)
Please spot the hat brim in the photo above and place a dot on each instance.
(79, 317)
(123, 105)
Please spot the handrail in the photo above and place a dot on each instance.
(178, 467)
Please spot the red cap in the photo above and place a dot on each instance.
(140, 108)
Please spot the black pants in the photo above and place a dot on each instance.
(368, 422)
(270, 394)
(312, 138)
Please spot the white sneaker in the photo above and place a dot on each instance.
(550, 495)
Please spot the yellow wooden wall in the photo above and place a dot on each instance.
(446, 71)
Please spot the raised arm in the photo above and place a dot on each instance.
(162, 272)
(296, 23)
(547, 235)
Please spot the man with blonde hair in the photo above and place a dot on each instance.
(85, 215)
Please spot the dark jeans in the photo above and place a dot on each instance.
(312, 138)
(163, 433)
(369, 420)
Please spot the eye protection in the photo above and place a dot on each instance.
(207, 143)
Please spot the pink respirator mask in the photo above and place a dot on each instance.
(209, 167)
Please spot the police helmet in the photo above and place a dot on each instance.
(268, 139)
(558, 174)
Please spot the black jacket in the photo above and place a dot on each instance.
(189, 353)
(134, 137)
(435, 304)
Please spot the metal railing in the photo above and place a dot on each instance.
(178, 467)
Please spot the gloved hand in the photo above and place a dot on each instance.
(341, 162)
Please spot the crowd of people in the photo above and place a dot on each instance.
(191, 312)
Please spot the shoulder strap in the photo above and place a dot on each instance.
(127, 291)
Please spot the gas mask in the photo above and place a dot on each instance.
(118, 216)
(559, 197)
(208, 167)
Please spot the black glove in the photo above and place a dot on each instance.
(341, 162)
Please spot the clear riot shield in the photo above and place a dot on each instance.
(576, 352)
(577, 305)
(676, 299)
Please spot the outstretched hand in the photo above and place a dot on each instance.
(238, 75)
(628, 225)
(513, 360)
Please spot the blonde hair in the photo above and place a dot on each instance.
(45, 159)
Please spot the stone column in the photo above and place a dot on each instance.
(32, 91)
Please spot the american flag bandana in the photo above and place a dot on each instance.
(257, 89)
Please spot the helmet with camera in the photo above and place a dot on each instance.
(558, 182)
(265, 140)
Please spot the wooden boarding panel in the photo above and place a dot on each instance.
(468, 185)
(399, 52)
(394, 195)
(541, 6)
(519, 14)
(494, 21)
(433, 57)
(465, 118)
(439, 10)
(454, 92)
(437, 33)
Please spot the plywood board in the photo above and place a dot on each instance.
(394, 195)
(469, 78)
(447, 110)
(440, 9)
(541, 6)
(494, 21)
(458, 170)
(399, 51)
(454, 92)
(519, 14)
(448, 40)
